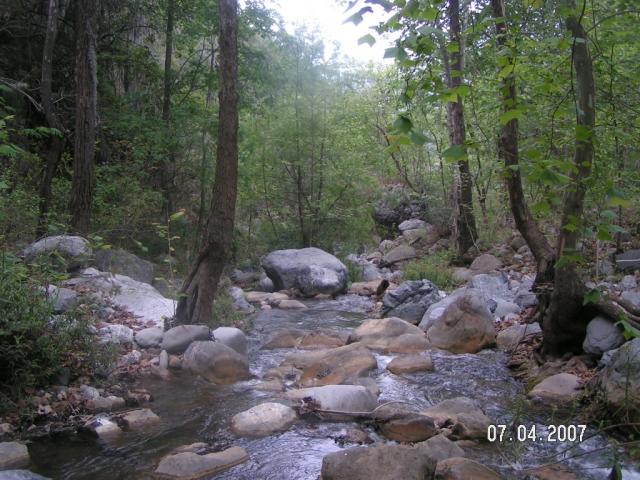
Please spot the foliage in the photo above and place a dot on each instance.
(35, 344)
(435, 267)
(224, 313)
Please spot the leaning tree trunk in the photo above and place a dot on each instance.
(55, 11)
(558, 285)
(199, 289)
(563, 325)
(86, 115)
(465, 223)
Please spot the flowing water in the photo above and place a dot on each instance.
(195, 411)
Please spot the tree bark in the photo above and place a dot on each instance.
(199, 289)
(465, 224)
(558, 286)
(55, 11)
(563, 326)
(86, 115)
(166, 172)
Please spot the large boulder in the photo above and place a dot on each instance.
(309, 270)
(13, 455)
(398, 254)
(383, 462)
(458, 468)
(485, 263)
(141, 299)
(125, 263)
(559, 388)
(410, 300)
(390, 334)
(621, 379)
(216, 362)
(628, 261)
(347, 399)
(74, 251)
(332, 367)
(262, 420)
(602, 335)
(466, 326)
(239, 301)
(232, 337)
(463, 415)
(435, 311)
(178, 339)
(191, 465)
(149, 337)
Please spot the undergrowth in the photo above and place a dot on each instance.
(435, 267)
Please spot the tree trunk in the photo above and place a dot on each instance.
(559, 288)
(167, 167)
(55, 11)
(85, 127)
(199, 289)
(465, 227)
(563, 325)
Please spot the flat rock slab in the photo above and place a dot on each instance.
(268, 297)
(262, 420)
(563, 387)
(410, 364)
(141, 299)
(190, 465)
(384, 334)
(141, 418)
(414, 428)
(458, 468)
(13, 455)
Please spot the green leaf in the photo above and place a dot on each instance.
(617, 198)
(509, 115)
(357, 17)
(455, 153)
(368, 39)
(629, 331)
(396, 52)
(506, 71)
(179, 214)
(418, 138)
(402, 124)
(453, 47)
(604, 235)
(592, 296)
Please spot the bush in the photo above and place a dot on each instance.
(224, 313)
(35, 344)
(435, 267)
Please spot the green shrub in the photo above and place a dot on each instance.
(435, 267)
(36, 345)
(224, 313)
(354, 270)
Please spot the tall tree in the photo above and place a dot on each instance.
(465, 223)
(560, 288)
(166, 172)
(86, 116)
(55, 12)
(199, 288)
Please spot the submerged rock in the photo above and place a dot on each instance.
(191, 465)
(413, 428)
(310, 270)
(141, 418)
(332, 367)
(262, 420)
(216, 362)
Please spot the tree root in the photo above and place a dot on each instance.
(619, 309)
